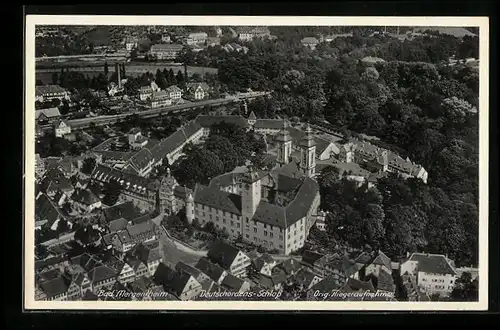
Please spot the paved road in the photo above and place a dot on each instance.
(104, 120)
(171, 252)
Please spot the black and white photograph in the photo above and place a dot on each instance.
(219, 161)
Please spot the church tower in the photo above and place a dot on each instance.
(308, 153)
(167, 198)
(251, 193)
(284, 145)
(190, 208)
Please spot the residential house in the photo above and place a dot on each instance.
(174, 92)
(50, 92)
(306, 279)
(125, 270)
(434, 273)
(234, 47)
(131, 43)
(47, 116)
(248, 33)
(325, 149)
(229, 258)
(200, 276)
(276, 281)
(179, 283)
(85, 201)
(166, 51)
(310, 42)
(144, 232)
(290, 266)
(264, 264)
(213, 41)
(339, 266)
(145, 93)
(124, 210)
(102, 277)
(160, 99)
(61, 128)
(196, 38)
(47, 214)
(235, 284)
(323, 289)
(52, 286)
(165, 38)
(197, 91)
(147, 255)
(212, 270)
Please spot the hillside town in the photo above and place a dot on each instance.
(177, 184)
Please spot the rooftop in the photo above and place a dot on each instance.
(223, 253)
(433, 263)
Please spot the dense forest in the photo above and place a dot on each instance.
(412, 100)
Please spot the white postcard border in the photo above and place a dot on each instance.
(29, 174)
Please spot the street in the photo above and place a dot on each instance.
(170, 252)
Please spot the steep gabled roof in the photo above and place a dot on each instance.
(223, 253)
(209, 268)
(433, 263)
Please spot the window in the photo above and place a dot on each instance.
(247, 219)
(265, 226)
(281, 230)
(254, 229)
(271, 234)
(265, 233)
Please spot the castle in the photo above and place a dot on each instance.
(275, 209)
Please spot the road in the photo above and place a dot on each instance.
(105, 120)
(172, 253)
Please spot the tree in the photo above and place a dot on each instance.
(455, 109)
(55, 78)
(373, 225)
(180, 78)
(465, 289)
(112, 191)
(106, 69)
(88, 165)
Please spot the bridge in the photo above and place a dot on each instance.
(151, 113)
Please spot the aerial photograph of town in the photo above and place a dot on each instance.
(264, 163)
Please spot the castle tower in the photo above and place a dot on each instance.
(166, 195)
(308, 153)
(285, 145)
(190, 208)
(251, 193)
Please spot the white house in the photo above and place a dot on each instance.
(434, 273)
(61, 128)
(229, 258)
(174, 92)
(197, 91)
